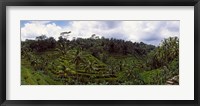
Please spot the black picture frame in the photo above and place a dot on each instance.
(4, 3)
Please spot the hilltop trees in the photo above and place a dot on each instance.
(41, 44)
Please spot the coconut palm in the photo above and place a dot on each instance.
(78, 59)
(90, 66)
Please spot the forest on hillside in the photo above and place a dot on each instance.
(98, 61)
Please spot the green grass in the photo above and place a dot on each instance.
(149, 77)
(30, 77)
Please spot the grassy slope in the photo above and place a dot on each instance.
(31, 77)
(35, 78)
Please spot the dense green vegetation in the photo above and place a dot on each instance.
(98, 61)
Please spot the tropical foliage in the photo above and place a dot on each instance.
(98, 61)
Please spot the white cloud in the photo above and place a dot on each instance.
(34, 29)
(151, 32)
(83, 29)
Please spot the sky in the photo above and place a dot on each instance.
(150, 32)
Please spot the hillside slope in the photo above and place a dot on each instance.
(97, 62)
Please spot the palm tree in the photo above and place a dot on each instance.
(166, 52)
(77, 59)
(89, 66)
(63, 44)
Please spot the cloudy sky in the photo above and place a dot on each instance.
(151, 32)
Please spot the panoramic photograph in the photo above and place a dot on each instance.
(99, 52)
